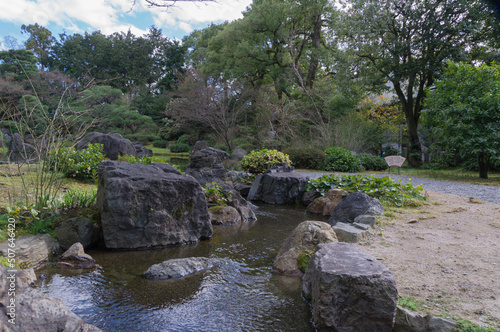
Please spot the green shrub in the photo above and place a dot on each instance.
(371, 162)
(259, 161)
(183, 139)
(179, 148)
(306, 157)
(384, 189)
(80, 164)
(160, 143)
(341, 160)
(214, 194)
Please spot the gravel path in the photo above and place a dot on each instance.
(484, 193)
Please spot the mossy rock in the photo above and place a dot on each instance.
(216, 209)
(224, 215)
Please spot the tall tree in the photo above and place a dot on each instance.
(40, 41)
(464, 109)
(16, 68)
(408, 43)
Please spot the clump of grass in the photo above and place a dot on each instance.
(411, 303)
(41, 218)
(467, 326)
(475, 200)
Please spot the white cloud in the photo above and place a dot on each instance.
(97, 14)
(186, 14)
(109, 16)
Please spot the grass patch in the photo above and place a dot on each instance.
(165, 152)
(475, 200)
(411, 303)
(10, 183)
(455, 175)
(467, 326)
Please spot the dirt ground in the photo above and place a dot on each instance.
(445, 254)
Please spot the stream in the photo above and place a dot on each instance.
(242, 295)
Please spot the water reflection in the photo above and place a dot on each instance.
(242, 295)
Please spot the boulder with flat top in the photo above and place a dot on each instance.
(114, 145)
(279, 185)
(146, 206)
(349, 290)
(355, 205)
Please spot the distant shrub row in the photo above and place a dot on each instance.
(333, 159)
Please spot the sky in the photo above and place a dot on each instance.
(109, 16)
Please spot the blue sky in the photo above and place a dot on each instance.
(109, 16)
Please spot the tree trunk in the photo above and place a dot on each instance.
(414, 146)
(483, 165)
(315, 39)
(412, 114)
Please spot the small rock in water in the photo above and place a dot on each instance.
(181, 267)
(76, 258)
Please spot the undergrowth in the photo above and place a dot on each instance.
(385, 189)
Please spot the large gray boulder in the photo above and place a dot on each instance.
(353, 233)
(354, 205)
(35, 311)
(349, 290)
(17, 142)
(238, 154)
(114, 145)
(142, 151)
(31, 250)
(224, 215)
(310, 196)
(78, 229)
(22, 153)
(181, 267)
(235, 200)
(153, 205)
(279, 185)
(5, 138)
(205, 165)
(304, 238)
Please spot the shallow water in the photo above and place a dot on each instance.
(242, 295)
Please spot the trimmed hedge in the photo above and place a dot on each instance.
(179, 148)
(160, 143)
(341, 160)
(371, 162)
(259, 161)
